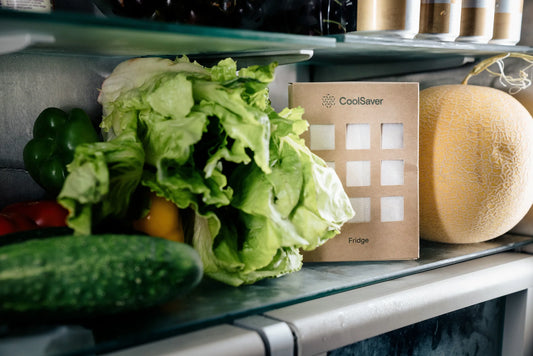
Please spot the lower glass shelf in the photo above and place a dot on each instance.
(214, 303)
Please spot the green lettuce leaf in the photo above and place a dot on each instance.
(299, 205)
(102, 178)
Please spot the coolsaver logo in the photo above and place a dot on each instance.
(360, 100)
(328, 100)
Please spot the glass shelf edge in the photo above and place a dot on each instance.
(121, 36)
(82, 19)
(391, 46)
(82, 34)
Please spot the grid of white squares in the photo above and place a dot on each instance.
(358, 173)
(392, 209)
(322, 137)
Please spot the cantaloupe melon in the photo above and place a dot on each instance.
(525, 226)
(476, 163)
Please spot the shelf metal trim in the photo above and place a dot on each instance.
(342, 319)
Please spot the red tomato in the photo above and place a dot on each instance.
(44, 213)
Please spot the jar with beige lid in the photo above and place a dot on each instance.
(477, 21)
(439, 19)
(398, 18)
(507, 22)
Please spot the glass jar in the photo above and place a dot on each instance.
(507, 22)
(477, 21)
(440, 19)
(28, 5)
(399, 18)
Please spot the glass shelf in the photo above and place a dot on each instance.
(87, 34)
(213, 303)
(71, 33)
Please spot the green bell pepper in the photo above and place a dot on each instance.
(56, 135)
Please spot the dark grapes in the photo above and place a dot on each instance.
(307, 17)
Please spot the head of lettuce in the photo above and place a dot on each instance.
(208, 140)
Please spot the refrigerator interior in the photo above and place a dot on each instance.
(61, 61)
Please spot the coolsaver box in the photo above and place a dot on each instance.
(368, 132)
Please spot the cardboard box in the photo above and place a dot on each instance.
(368, 132)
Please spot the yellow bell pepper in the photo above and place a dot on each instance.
(163, 220)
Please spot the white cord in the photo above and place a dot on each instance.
(515, 84)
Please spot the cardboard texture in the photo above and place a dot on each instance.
(368, 132)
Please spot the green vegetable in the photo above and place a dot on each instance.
(103, 177)
(56, 135)
(214, 145)
(96, 274)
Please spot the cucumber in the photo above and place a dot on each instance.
(95, 274)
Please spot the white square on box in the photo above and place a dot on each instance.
(322, 137)
(391, 209)
(391, 136)
(357, 136)
(361, 206)
(357, 173)
(392, 172)
(330, 164)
